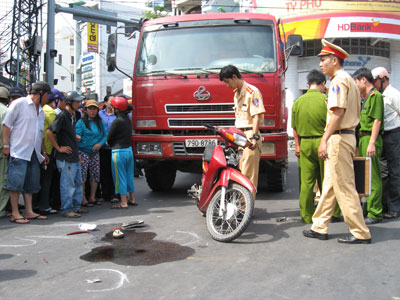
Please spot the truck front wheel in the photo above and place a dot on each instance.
(276, 179)
(160, 177)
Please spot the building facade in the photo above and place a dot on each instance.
(368, 31)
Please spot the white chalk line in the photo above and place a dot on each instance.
(52, 237)
(32, 242)
(195, 238)
(122, 278)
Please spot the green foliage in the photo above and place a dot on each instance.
(157, 12)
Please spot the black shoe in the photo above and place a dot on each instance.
(312, 234)
(336, 219)
(370, 221)
(350, 239)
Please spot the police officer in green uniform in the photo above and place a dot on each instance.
(370, 143)
(308, 121)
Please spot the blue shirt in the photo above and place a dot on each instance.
(107, 119)
(90, 137)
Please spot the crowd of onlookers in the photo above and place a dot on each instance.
(63, 153)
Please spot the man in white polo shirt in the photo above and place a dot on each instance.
(23, 143)
(391, 143)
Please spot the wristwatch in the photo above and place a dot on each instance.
(256, 137)
(6, 146)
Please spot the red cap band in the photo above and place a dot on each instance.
(328, 50)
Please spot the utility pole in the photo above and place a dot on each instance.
(83, 14)
(26, 42)
(78, 51)
(50, 51)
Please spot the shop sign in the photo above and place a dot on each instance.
(87, 59)
(360, 62)
(338, 25)
(87, 68)
(87, 75)
(88, 82)
(293, 8)
(93, 40)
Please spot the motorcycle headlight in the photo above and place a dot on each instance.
(239, 140)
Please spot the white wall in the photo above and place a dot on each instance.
(63, 47)
(395, 64)
(125, 54)
(292, 88)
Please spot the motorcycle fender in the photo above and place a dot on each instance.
(228, 175)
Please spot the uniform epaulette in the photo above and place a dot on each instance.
(249, 89)
(372, 93)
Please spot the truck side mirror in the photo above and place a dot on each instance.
(112, 52)
(295, 45)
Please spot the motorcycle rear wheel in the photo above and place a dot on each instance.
(240, 205)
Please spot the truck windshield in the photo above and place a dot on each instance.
(207, 49)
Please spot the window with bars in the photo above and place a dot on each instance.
(352, 46)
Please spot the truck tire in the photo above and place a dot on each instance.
(160, 177)
(276, 179)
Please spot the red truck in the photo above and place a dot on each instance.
(176, 90)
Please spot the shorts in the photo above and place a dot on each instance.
(91, 163)
(23, 176)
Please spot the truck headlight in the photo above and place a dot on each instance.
(146, 123)
(148, 148)
(269, 122)
(268, 148)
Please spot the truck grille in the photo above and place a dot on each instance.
(200, 122)
(199, 108)
(180, 149)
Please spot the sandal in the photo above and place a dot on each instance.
(132, 203)
(21, 220)
(391, 215)
(71, 214)
(37, 217)
(87, 204)
(118, 206)
(97, 202)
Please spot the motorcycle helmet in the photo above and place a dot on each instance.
(380, 72)
(73, 96)
(120, 103)
(40, 86)
(56, 95)
(17, 92)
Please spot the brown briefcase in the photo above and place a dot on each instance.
(362, 174)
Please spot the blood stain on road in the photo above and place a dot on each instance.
(137, 249)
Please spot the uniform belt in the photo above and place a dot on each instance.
(392, 131)
(365, 133)
(311, 137)
(245, 129)
(344, 131)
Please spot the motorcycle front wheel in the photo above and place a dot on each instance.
(239, 206)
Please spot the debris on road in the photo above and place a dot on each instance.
(78, 232)
(93, 280)
(118, 234)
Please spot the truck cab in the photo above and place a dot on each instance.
(176, 90)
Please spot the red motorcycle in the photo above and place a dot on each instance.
(225, 194)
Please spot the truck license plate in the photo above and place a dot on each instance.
(200, 142)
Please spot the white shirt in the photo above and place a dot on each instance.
(26, 128)
(391, 101)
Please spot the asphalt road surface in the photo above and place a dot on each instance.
(173, 256)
